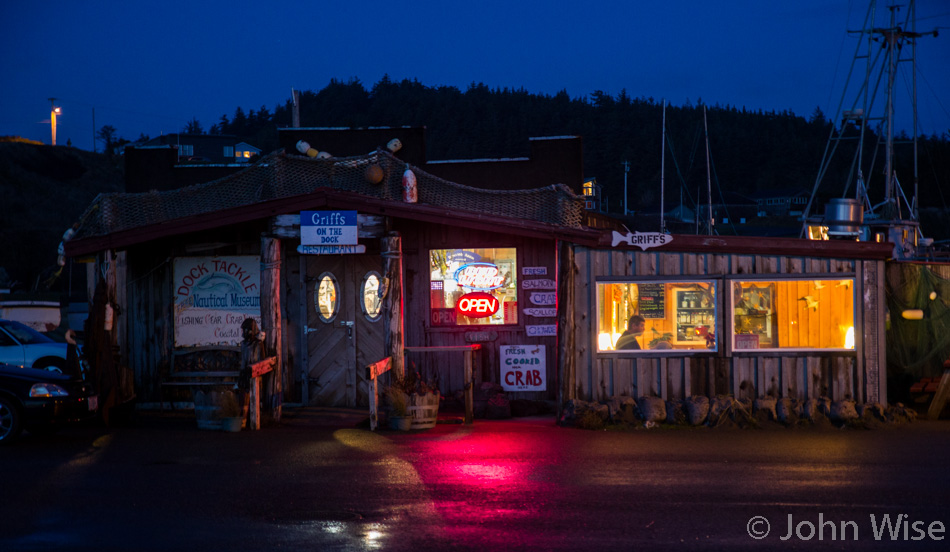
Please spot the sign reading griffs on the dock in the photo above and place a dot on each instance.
(213, 296)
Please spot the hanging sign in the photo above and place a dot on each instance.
(539, 284)
(523, 368)
(213, 296)
(477, 304)
(328, 228)
(544, 298)
(541, 330)
(545, 312)
(534, 271)
(330, 249)
(643, 240)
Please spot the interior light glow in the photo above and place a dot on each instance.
(849, 338)
(607, 341)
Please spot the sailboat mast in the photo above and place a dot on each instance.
(891, 35)
(663, 172)
(709, 219)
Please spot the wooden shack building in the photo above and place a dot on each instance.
(740, 316)
(342, 268)
(184, 267)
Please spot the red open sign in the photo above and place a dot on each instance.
(478, 304)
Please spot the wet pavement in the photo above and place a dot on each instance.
(321, 480)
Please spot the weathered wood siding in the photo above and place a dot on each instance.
(150, 334)
(677, 375)
(417, 240)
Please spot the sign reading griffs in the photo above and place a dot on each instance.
(213, 296)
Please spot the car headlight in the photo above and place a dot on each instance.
(47, 390)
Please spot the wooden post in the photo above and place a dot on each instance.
(373, 372)
(469, 384)
(254, 411)
(393, 302)
(566, 362)
(271, 319)
(940, 397)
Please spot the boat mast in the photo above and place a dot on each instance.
(663, 172)
(709, 218)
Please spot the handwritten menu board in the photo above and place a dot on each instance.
(652, 300)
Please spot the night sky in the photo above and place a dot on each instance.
(150, 67)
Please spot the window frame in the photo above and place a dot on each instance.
(520, 293)
(362, 292)
(337, 290)
(717, 285)
(729, 321)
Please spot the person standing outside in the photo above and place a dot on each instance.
(628, 339)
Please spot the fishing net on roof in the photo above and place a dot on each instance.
(916, 348)
(281, 175)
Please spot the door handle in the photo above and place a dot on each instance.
(348, 324)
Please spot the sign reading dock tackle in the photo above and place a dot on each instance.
(328, 228)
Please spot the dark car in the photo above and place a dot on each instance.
(40, 400)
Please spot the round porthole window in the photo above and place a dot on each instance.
(326, 297)
(369, 289)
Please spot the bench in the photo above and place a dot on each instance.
(198, 367)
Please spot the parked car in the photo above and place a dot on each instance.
(40, 400)
(21, 345)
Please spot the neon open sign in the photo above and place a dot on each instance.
(483, 276)
(477, 304)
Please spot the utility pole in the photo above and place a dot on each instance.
(626, 169)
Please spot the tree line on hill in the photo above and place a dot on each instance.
(752, 152)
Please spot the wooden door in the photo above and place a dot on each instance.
(345, 330)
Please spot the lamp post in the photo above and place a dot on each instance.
(54, 111)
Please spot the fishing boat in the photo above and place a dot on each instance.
(865, 128)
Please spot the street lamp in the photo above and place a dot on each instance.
(54, 111)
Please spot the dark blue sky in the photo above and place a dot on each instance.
(149, 67)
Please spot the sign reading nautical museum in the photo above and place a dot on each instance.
(213, 296)
(523, 368)
(328, 228)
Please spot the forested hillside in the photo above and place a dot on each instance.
(752, 151)
(43, 191)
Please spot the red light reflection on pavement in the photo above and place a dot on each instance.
(478, 482)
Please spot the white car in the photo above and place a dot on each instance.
(21, 345)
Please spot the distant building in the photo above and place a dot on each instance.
(781, 203)
(171, 161)
(206, 148)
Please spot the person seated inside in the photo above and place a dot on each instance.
(628, 339)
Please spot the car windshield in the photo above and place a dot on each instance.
(24, 334)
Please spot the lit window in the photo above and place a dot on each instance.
(793, 314)
(327, 297)
(674, 315)
(474, 286)
(371, 303)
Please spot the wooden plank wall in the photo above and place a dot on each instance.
(150, 336)
(787, 374)
(417, 240)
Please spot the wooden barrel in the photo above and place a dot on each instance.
(424, 410)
